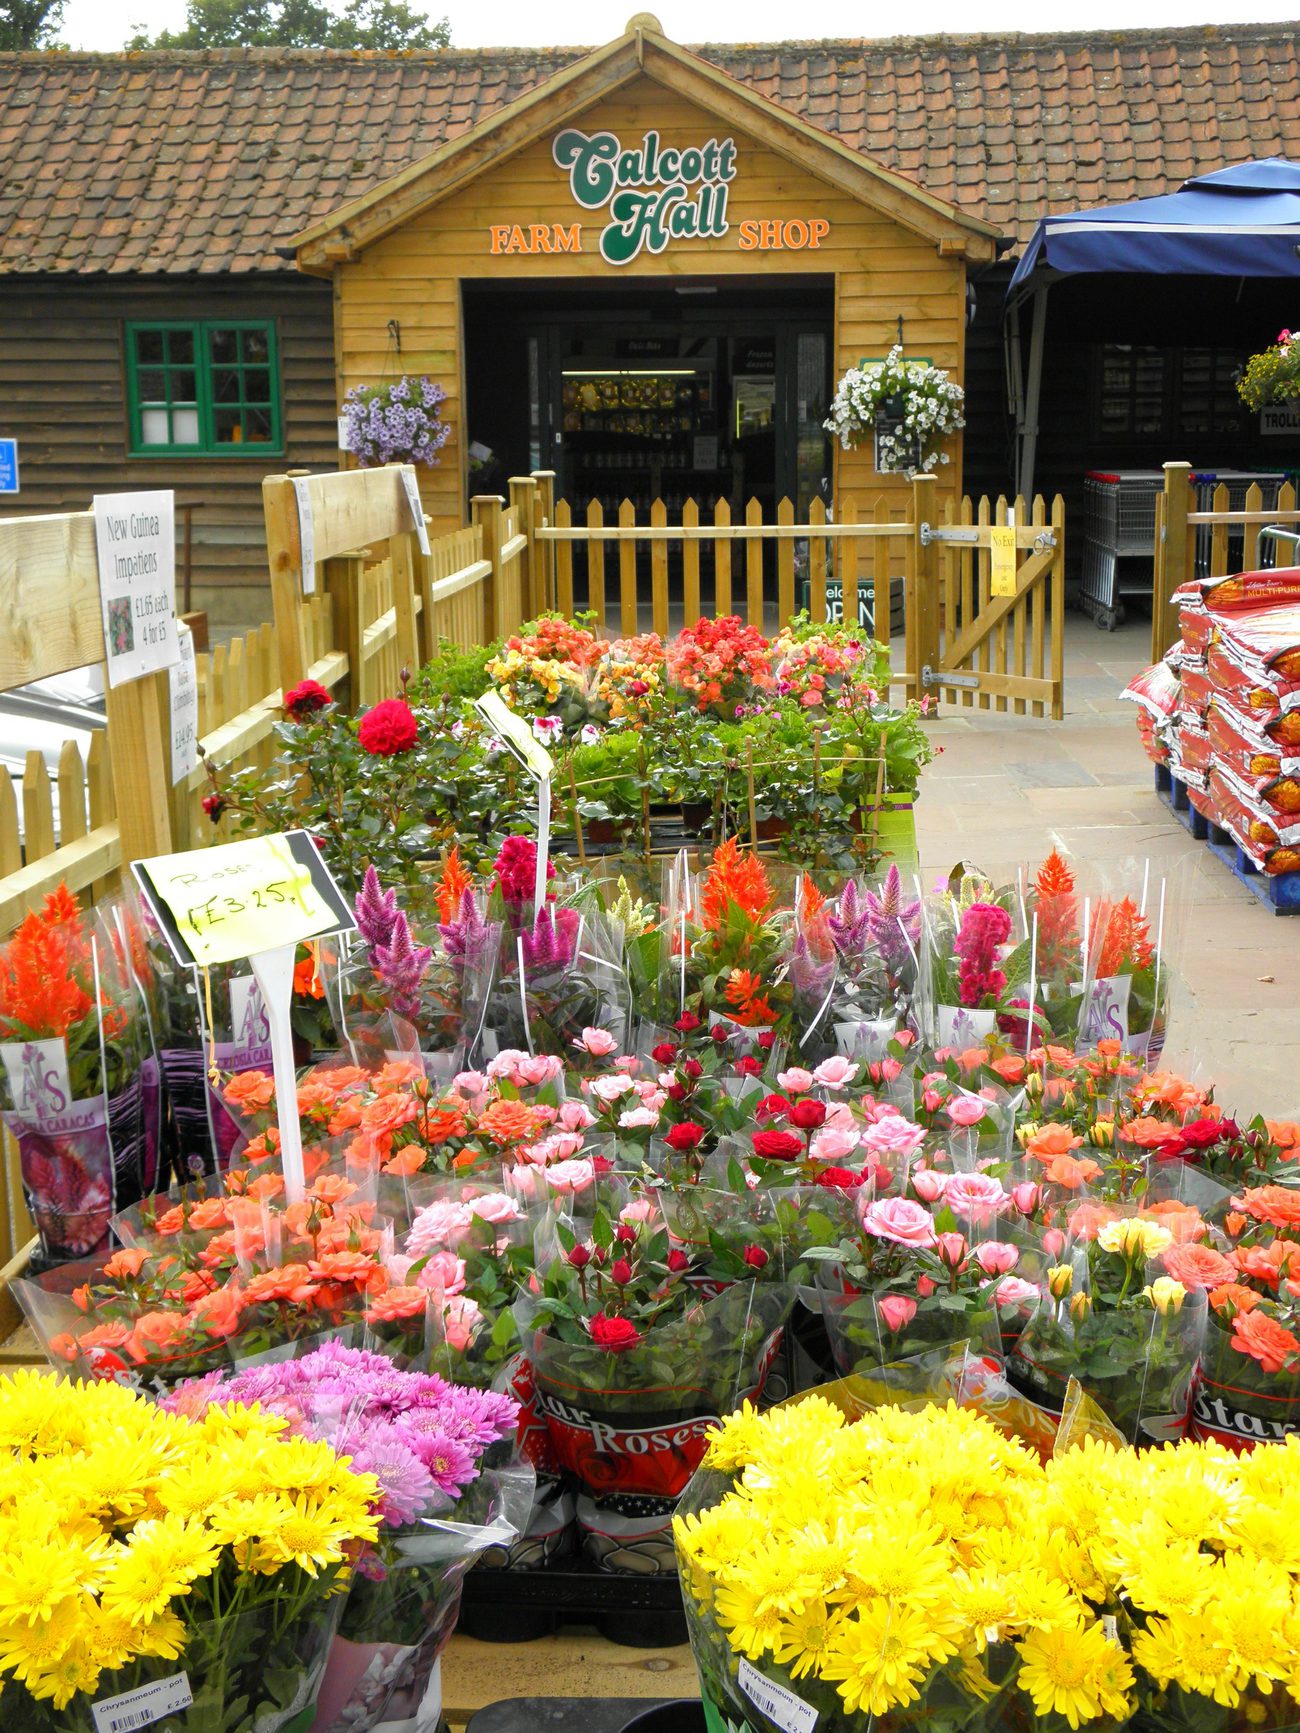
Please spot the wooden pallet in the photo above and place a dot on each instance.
(1279, 892)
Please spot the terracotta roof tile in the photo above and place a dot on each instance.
(212, 161)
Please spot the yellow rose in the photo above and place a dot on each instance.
(1135, 1238)
(1166, 1295)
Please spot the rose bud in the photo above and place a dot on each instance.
(772, 1107)
(718, 1033)
(952, 1249)
(620, 1271)
(1053, 1242)
(766, 1041)
(579, 1257)
(625, 1234)
(1080, 1306)
(686, 1024)
(928, 1185)
(678, 1261)
(1026, 1196)
(676, 1092)
(755, 1257)
(692, 1068)
(750, 1067)
(808, 1115)
(1060, 1279)
(925, 1286)
(601, 1164)
(599, 1255)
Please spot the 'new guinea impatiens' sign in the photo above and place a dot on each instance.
(654, 195)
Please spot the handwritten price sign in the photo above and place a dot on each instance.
(241, 898)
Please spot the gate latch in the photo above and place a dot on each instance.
(937, 677)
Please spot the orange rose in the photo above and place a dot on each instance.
(397, 1074)
(389, 1113)
(406, 1162)
(210, 1212)
(172, 1221)
(344, 1077)
(218, 1312)
(80, 1297)
(314, 1093)
(346, 1116)
(369, 1149)
(1278, 1205)
(1087, 1218)
(1110, 1048)
(1233, 1295)
(1010, 1068)
(266, 1186)
(442, 1123)
(1233, 1223)
(63, 1347)
(196, 1284)
(1170, 1090)
(509, 1122)
(1182, 1219)
(1051, 1140)
(1264, 1339)
(290, 1282)
(218, 1249)
(250, 1092)
(112, 1335)
(350, 1268)
(307, 983)
(154, 1334)
(1069, 1171)
(125, 1265)
(1147, 1133)
(332, 1188)
(396, 1304)
(1197, 1266)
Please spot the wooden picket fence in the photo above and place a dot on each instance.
(1182, 534)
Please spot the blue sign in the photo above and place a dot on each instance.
(8, 466)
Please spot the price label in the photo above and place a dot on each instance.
(143, 1706)
(789, 1712)
(306, 534)
(1002, 561)
(241, 898)
(184, 682)
(516, 732)
(135, 546)
(413, 499)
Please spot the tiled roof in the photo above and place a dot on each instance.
(209, 161)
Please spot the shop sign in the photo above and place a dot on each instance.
(1280, 418)
(8, 466)
(652, 195)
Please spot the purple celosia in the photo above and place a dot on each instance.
(419, 1435)
(551, 943)
(376, 911)
(893, 925)
(849, 923)
(809, 974)
(468, 937)
(400, 965)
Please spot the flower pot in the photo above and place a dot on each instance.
(770, 829)
(600, 830)
(1236, 1404)
(895, 829)
(960, 1027)
(697, 816)
(684, 1716)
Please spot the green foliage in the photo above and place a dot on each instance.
(28, 24)
(454, 673)
(1272, 376)
(365, 24)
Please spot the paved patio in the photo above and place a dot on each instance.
(1005, 789)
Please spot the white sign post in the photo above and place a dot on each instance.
(135, 541)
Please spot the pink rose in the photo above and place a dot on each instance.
(996, 1257)
(504, 1063)
(1053, 1242)
(1013, 1291)
(495, 1207)
(651, 1097)
(534, 1069)
(461, 1318)
(839, 1117)
(638, 1118)
(931, 1100)
(524, 1181)
(966, 1110)
(597, 1042)
(897, 1311)
(977, 1196)
(795, 1081)
(952, 1249)
(832, 1143)
(568, 1178)
(835, 1073)
(900, 1220)
(608, 1090)
(576, 1116)
(928, 1185)
(641, 1209)
(559, 1146)
(925, 1286)
(905, 1037)
(1026, 1196)
(894, 1135)
(470, 1082)
(628, 1064)
(437, 1225)
(443, 1274)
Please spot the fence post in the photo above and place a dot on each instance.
(401, 562)
(142, 766)
(485, 511)
(522, 499)
(922, 588)
(341, 580)
(544, 552)
(284, 559)
(1171, 558)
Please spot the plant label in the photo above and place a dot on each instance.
(143, 1706)
(184, 682)
(306, 534)
(135, 544)
(416, 504)
(780, 1705)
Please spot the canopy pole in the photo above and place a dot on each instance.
(1013, 366)
(1033, 395)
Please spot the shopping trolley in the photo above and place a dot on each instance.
(1119, 523)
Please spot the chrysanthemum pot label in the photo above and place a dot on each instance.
(790, 1713)
(144, 1706)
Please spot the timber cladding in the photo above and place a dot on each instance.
(64, 395)
(518, 220)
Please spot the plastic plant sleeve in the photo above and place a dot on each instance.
(1235, 1401)
(1128, 980)
(81, 1107)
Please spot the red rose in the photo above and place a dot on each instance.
(214, 805)
(685, 1137)
(601, 1164)
(842, 1177)
(693, 1069)
(767, 1041)
(777, 1145)
(615, 1334)
(664, 1054)
(772, 1107)
(750, 1067)
(637, 688)
(305, 699)
(390, 727)
(1201, 1133)
(686, 1024)
(808, 1115)
(620, 1271)
(625, 1234)
(678, 1261)
(718, 1033)
(579, 1257)
(755, 1257)
(676, 1092)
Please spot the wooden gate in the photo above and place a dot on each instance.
(986, 640)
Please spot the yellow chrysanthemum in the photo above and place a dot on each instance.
(1076, 1672)
(160, 1561)
(879, 1656)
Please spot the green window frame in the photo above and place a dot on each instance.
(204, 388)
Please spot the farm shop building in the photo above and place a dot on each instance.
(642, 267)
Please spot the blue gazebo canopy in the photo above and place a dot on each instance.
(1237, 222)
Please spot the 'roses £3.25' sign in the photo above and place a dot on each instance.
(653, 196)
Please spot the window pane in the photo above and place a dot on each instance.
(224, 345)
(153, 385)
(225, 384)
(257, 385)
(183, 387)
(227, 427)
(148, 346)
(257, 426)
(185, 426)
(154, 428)
(180, 347)
(254, 345)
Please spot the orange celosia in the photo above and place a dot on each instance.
(1056, 907)
(307, 983)
(451, 886)
(1125, 941)
(45, 973)
(744, 994)
(734, 879)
